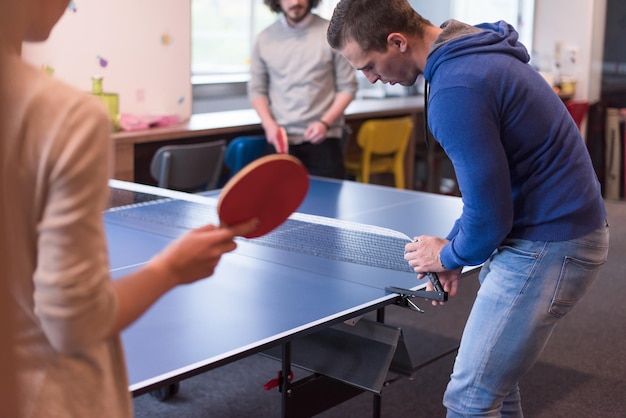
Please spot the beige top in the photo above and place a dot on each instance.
(55, 160)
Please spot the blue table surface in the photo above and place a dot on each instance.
(261, 296)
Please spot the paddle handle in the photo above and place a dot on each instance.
(434, 280)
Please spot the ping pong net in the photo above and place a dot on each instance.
(302, 233)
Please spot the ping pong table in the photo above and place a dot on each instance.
(266, 297)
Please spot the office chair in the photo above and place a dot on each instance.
(242, 150)
(192, 167)
(383, 144)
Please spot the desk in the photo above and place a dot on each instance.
(262, 297)
(134, 150)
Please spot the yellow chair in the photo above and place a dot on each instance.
(383, 144)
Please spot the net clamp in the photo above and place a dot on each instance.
(406, 295)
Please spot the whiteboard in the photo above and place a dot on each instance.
(141, 48)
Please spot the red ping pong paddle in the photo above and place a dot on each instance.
(270, 188)
(282, 141)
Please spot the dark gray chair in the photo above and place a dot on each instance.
(190, 168)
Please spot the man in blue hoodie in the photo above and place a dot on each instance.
(533, 212)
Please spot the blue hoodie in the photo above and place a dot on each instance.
(522, 166)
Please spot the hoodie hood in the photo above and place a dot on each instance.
(458, 39)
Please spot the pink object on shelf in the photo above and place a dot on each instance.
(130, 122)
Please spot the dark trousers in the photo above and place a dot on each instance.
(324, 159)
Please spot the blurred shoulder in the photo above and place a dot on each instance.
(319, 20)
(32, 93)
(37, 107)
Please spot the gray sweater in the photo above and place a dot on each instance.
(299, 73)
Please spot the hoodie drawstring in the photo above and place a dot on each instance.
(426, 130)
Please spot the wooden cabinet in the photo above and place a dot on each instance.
(134, 150)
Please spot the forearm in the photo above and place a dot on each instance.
(137, 291)
(262, 107)
(337, 108)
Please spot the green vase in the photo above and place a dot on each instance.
(110, 100)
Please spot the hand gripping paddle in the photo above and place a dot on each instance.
(270, 188)
(282, 141)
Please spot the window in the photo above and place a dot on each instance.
(223, 34)
(518, 13)
(223, 31)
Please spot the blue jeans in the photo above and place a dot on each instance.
(526, 287)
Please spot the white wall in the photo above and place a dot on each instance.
(519, 13)
(145, 43)
(578, 26)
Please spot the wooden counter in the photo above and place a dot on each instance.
(134, 150)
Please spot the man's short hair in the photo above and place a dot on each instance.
(274, 5)
(369, 22)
